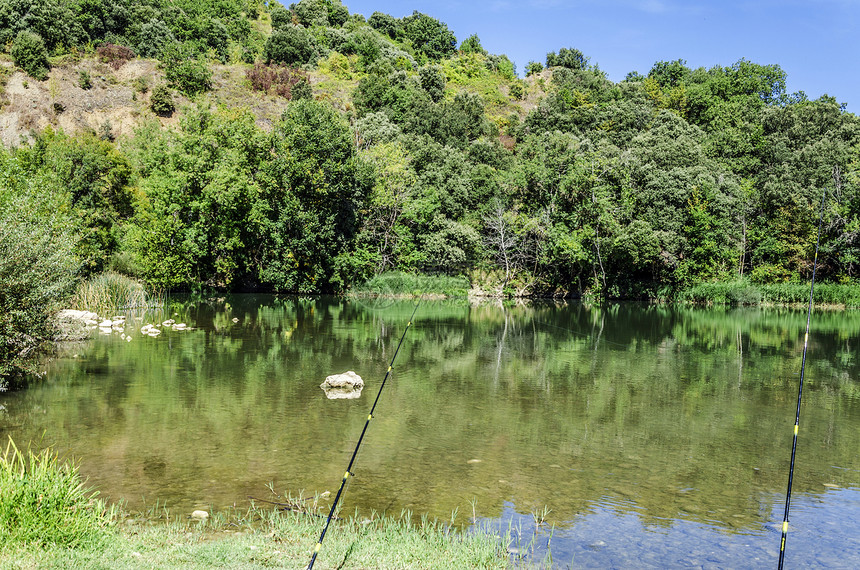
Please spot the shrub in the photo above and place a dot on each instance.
(291, 45)
(533, 67)
(161, 100)
(432, 81)
(386, 24)
(518, 90)
(44, 503)
(277, 79)
(141, 84)
(302, 90)
(106, 131)
(84, 79)
(31, 55)
(190, 76)
(114, 55)
(37, 271)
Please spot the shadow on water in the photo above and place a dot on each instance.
(655, 432)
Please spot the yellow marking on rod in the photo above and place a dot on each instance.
(785, 526)
(806, 338)
(795, 429)
(369, 417)
(318, 547)
(389, 369)
(782, 545)
(346, 476)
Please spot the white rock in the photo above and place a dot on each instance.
(168, 322)
(200, 515)
(348, 379)
(106, 324)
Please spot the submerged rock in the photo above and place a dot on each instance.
(341, 393)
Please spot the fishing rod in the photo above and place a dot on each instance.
(800, 392)
(349, 472)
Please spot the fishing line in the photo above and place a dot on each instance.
(349, 472)
(800, 392)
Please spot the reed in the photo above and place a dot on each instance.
(111, 292)
(747, 293)
(398, 283)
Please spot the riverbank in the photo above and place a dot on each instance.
(269, 539)
(731, 293)
(49, 520)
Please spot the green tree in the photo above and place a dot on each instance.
(193, 224)
(386, 24)
(430, 37)
(37, 264)
(432, 81)
(291, 45)
(472, 44)
(315, 186)
(31, 55)
(570, 58)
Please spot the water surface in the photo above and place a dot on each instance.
(645, 435)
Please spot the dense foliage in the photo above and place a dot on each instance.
(633, 189)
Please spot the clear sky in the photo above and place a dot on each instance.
(816, 42)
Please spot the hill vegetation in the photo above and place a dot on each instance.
(306, 149)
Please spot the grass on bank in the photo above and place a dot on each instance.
(49, 520)
(746, 293)
(397, 283)
(111, 292)
(43, 503)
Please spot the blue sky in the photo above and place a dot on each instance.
(816, 42)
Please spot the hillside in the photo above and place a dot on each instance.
(236, 146)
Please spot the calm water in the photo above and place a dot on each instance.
(652, 436)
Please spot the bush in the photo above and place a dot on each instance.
(37, 271)
(432, 81)
(84, 80)
(533, 67)
(277, 79)
(291, 45)
(44, 503)
(161, 100)
(190, 76)
(302, 90)
(518, 90)
(31, 55)
(114, 55)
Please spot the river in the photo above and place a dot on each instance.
(636, 435)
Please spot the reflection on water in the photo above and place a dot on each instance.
(661, 434)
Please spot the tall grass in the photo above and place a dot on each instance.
(43, 503)
(746, 293)
(111, 292)
(413, 284)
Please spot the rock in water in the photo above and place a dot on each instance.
(348, 379)
(200, 515)
(346, 386)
